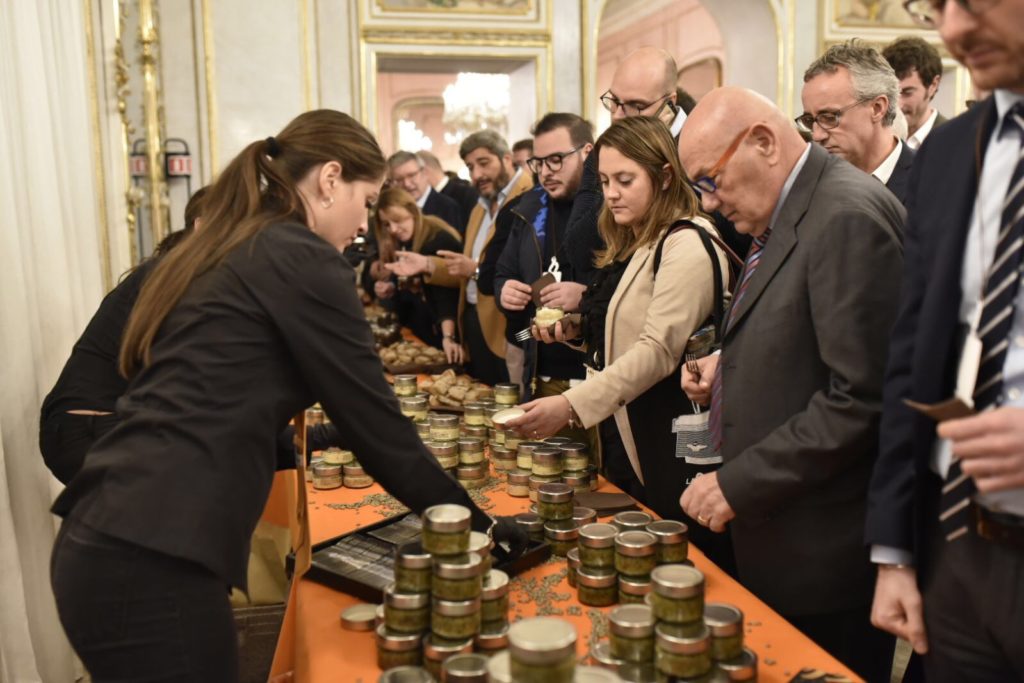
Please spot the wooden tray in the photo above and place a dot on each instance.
(418, 369)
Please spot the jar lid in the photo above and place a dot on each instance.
(635, 543)
(443, 420)
(632, 621)
(471, 444)
(465, 566)
(684, 645)
(422, 427)
(583, 515)
(323, 469)
(442, 448)
(538, 480)
(476, 431)
(742, 668)
(668, 531)
(561, 530)
(496, 584)
(446, 517)
(499, 452)
(405, 600)
(415, 401)
(506, 388)
(474, 407)
(594, 674)
(598, 535)
(493, 638)
(503, 416)
(359, 617)
(632, 519)
(573, 448)
(519, 477)
(406, 674)
(457, 608)
(405, 379)
(499, 669)
(634, 585)
(530, 521)
(576, 478)
(478, 471)
(480, 543)
(677, 581)
(396, 642)
(439, 649)
(723, 619)
(555, 492)
(528, 447)
(466, 668)
(593, 577)
(573, 558)
(557, 440)
(547, 455)
(601, 655)
(353, 470)
(542, 640)
(378, 617)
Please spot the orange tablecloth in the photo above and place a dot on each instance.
(316, 648)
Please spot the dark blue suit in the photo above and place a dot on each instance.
(899, 181)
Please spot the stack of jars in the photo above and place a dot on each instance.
(541, 649)
(555, 511)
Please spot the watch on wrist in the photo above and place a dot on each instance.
(475, 276)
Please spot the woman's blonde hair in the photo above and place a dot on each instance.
(646, 141)
(258, 187)
(425, 228)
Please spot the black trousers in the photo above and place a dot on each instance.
(132, 614)
(64, 439)
(483, 364)
(615, 461)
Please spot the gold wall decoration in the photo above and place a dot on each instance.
(99, 171)
(122, 89)
(149, 42)
(470, 6)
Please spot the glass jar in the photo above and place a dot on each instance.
(631, 672)
(593, 674)
(503, 459)
(406, 612)
(472, 476)
(554, 501)
(726, 625)
(406, 674)
(378, 617)
(406, 385)
(683, 657)
(631, 633)
(632, 520)
(437, 650)
(595, 480)
(597, 587)
(446, 530)
(397, 649)
(572, 559)
(465, 668)
(634, 553)
(446, 452)
(493, 637)
(443, 427)
(412, 568)
(532, 524)
(337, 456)
(356, 477)
(633, 590)
(547, 462)
(506, 394)
(742, 668)
(579, 481)
(537, 480)
(481, 544)
(672, 544)
(476, 432)
(471, 450)
(490, 411)
(414, 407)
(557, 440)
(562, 535)
(677, 593)
(423, 429)
(457, 578)
(499, 669)
(574, 455)
(597, 545)
(498, 435)
(473, 414)
(359, 617)
(513, 439)
(326, 476)
(455, 620)
(494, 597)
(524, 454)
(601, 655)
(542, 650)
(583, 515)
(519, 483)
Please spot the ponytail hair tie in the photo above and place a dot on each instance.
(273, 149)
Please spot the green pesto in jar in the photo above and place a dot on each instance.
(670, 553)
(358, 481)
(572, 559)
(724, 648)
(492, 611)
(389, 659)
(634, 553)
(596, 587)
(639, 649)
(688, 630)
(543, 650)
(457, 579)
(556, 511)
(677, 610)
(437, 650)
(562, 671)
(455, 627)
(597, 557)
(444, 543)
(634, 566)
(455, 589)
(412, 579)
(680, 665)
(397, 649)
(414, 620)
(561, 535)
(633, 590)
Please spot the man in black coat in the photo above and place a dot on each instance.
(405, 170)
(449, 185)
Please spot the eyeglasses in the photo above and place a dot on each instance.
(611, 103)
(928, 13)
(400, 179)
(552, 161)
(706, 184)
(827, 119)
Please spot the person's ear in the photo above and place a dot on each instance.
(585, 151)
(879, 107)
(330, 177)
(766, 144)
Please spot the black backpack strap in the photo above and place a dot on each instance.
(708, 240)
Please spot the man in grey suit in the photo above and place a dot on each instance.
(796, 392)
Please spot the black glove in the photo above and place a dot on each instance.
(510, 539)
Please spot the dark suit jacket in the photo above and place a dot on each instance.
(923, 353)
(446, 209)
(900, 177)
(463, 194)
(802, 367)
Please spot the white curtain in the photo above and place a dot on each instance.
(50, 284)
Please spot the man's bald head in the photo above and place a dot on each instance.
(647, 75)
(747, 147)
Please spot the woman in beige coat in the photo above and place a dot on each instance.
(638, 315)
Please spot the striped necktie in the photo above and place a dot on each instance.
(999, 296)
(753, 260)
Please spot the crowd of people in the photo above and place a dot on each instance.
(861, 397)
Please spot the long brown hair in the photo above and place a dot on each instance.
(424, 227)
(646, 141)
(258, 187)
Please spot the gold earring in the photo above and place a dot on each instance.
(327, 204)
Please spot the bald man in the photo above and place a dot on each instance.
(798, 383)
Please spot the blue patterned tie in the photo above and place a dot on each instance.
(999, 296)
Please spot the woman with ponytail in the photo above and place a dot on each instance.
(252, 319)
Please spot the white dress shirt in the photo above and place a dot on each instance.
(915, 140)
(485, 227)
(421, 202)
(885, 169)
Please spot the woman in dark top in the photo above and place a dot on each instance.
(246, 323)
(429, 311)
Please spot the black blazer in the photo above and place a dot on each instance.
(463, 194)
(446, 209)
(898, 181)
(923, 349)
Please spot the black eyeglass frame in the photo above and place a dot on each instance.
(611, 103)
(535, 163)
(802, 120)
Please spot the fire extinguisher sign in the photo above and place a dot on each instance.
(179, 165)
